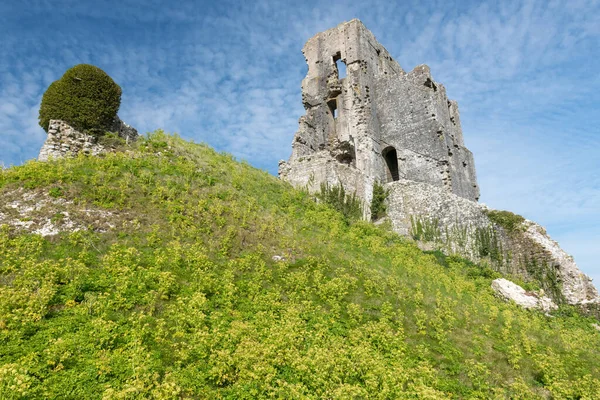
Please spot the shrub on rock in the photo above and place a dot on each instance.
(85, 97)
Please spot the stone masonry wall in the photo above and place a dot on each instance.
(351, 122)
(64, 140)
(382, 124)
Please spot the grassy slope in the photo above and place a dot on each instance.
(183, 299)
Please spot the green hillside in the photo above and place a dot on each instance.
(172, 292)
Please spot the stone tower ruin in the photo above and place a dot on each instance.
(377, 123)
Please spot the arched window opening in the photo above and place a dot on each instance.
(391, 160)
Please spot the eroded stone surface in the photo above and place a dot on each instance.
(512, 292)
(64, 140)
(576, 286)
(378, 123)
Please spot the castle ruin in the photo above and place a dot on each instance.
(379, 123)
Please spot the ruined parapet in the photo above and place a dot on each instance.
(63, 140)
(378, 123)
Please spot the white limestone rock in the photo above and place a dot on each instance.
(576, 286)
(511, 291)
(40, 213)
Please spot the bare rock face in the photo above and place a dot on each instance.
(64, 140)
(511, 291)
(382, 124)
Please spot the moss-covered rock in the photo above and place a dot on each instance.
(85, 97)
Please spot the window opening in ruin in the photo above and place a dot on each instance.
(340, 65)
(333, 107)
(391, 160)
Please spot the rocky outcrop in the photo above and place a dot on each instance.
(64, 140)
(510, 291)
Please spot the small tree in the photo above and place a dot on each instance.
(85, 97)
(378, 206)
(348, 205)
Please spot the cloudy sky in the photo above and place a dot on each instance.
(526, 75)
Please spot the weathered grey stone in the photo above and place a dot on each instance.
(378, 109)
(512, 292)
(358, 128)
(456, 226)
(125, 131)
(64, 140)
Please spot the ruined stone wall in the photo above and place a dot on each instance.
(351, 122)
(387, 117)
(419, 121)
(456, 225)
(63, 140)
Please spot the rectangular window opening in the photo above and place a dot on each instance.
(340, 65)
(333, 107)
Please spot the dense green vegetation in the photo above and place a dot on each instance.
(348, 205)
(183, 299)
(506, 219)
(85, 97)
(378, 202)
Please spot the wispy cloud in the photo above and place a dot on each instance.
(228, 73)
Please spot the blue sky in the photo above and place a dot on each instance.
(526, 75)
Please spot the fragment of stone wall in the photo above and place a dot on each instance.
(457, 221)
(65, 141)
(124, 130)
(378, 105)
(419, 121)
(351, 138)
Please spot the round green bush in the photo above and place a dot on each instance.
(85, 97)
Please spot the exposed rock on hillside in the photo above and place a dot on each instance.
(40, 213)
(511, 291)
